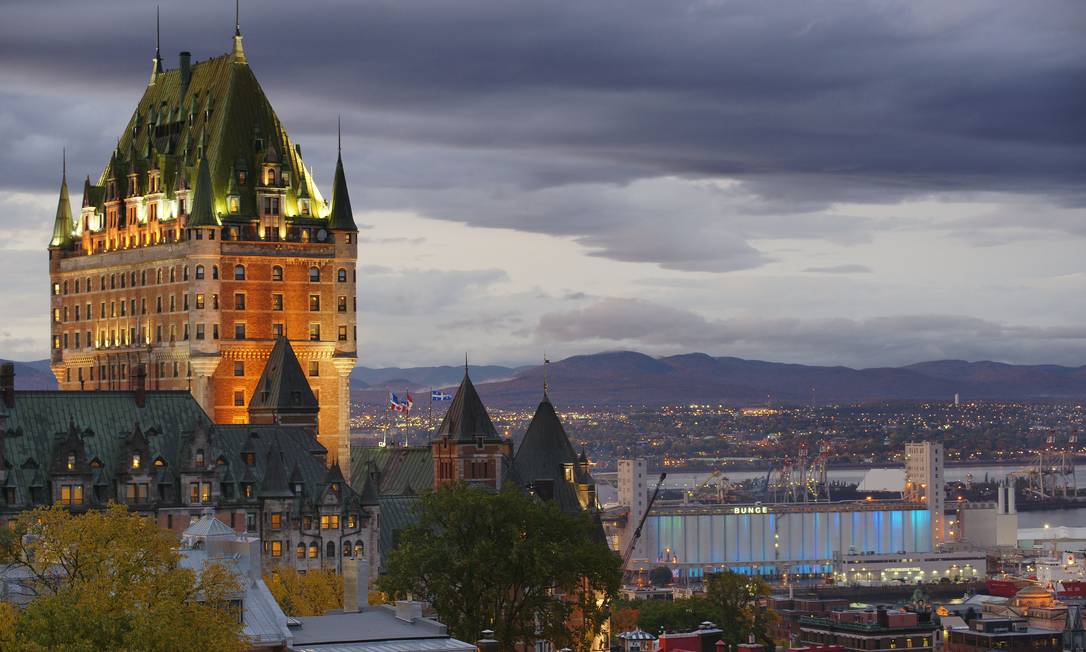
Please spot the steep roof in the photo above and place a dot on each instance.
(203, 211)
(341, 216)
(283, 386)
(63, 225)
(545, 453)
(401, 471)
(275, 474)
(216, 111)
(467, 417)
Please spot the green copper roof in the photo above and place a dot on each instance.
(62, 225)
(217, 112)
(202, 213)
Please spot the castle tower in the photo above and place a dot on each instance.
(203, 241)
(466, 447)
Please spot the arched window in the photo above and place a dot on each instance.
(199, 272)
(239, 272)
(143, 277)
(330, 550)
(359, 548)
(215, 272)
(158, 276)
(112, 281)
(341, 275)
(299, 551)
(71, 461)
(173, 274)
(277, 273)
(314, 275)
(185, 273)
(271, 177)
(346, 549)
(314, 551)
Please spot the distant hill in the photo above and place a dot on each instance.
(628, 377)
(34, 375)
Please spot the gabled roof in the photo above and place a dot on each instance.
(283, 386)
(467, 418)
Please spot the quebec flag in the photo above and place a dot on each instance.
(440, 396)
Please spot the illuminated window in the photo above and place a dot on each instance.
(275, 521)
(314, 368)
(71, 461)
(314, 551)
(314, 332)
(277, 302)
(276, 548)
(277, 273)
(341, 304)
(314, 303)
(136, 460)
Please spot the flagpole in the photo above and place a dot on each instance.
(430, 412)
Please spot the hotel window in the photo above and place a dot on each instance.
(249, 458)
(112, 309)
(314, 368)
(314, 275)
(341, 275)
(247, 489)
(239, 398)
(56, 289)
(277, 273)
(271, 205)
(239, 367)
(239, 301)
(158, 304)
(314, 551)
(299, 551)
(173, 274)
(239, 330)
(342, 334)
(277, 302)
(71, 494)
(275, 521)
(214, 302)
(239, 272)
(71, 461)
(314, 303)
(314, 332)
(143, 306)
(214, 331)
(136, 460)
(341, 304)
(200, 331)
(329, 521)
(215, 272)
(173, 303)
(277, 329)
(276, 548)
(77, 312)
(330, 550)
(199, 272)
(352, 521)
(199, 301)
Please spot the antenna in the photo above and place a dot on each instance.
(237, 17)
(158, 33)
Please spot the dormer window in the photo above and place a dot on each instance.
(71, 461)
(285, 177)
(199, 457)
(270, 176)
(136, 461)
(335, 488)
(303, 206)
(234, 203)
(249, 458)
(242, 177)
(159, 462)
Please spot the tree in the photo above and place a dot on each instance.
(739, 607)
(311, 594)
(682, 615)
(111, 580)
(507, 562)
(661, 576)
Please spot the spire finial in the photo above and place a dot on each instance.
(237, 17)
(545, 363)
(64, 164)
(465, 364)
(158, 33)
(339, 135)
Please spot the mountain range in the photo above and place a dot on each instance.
(631, 378)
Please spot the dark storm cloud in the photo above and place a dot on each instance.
(892, 340)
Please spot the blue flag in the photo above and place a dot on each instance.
(440, 396)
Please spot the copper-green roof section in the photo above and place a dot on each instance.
(202, 213)
(214, 110)
(63, 225)
(342, 217)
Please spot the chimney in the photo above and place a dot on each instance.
(7, 383)
(408, 610)
(139, 382)
(186, 71)
(356, 583)
(487, 642)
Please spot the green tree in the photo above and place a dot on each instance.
(110, 580)
(682, 615)
(313, 593)
(739, 606)
(660, 576)
(507, 562)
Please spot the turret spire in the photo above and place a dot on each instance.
(341, 216)
(62, 225)
(156, 63)
(239, 51)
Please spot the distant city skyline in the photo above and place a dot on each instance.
(826, 183)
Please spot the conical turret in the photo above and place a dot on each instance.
(341, 217)
(202, 213)
(62, 225)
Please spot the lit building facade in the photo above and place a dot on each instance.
(772, 539)
(925, 483)
(204, 238)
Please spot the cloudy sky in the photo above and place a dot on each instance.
(859, 183)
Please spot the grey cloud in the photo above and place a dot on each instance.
(840, 269)
(424, 292)
(889, 340)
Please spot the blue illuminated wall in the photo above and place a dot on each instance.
(749, 542)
